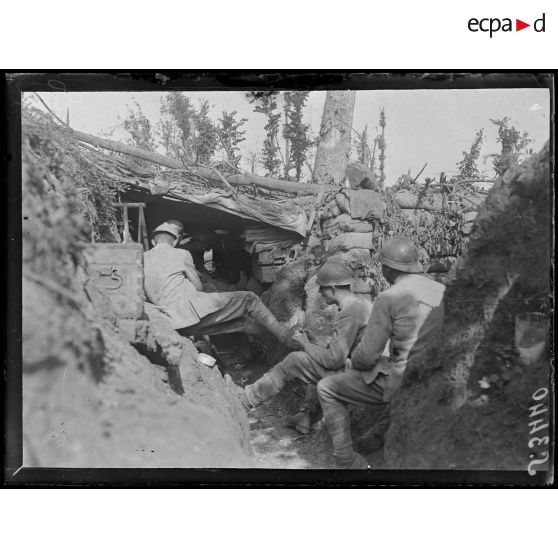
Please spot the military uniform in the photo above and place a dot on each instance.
(409, 315)
(316, 362)
(172, 282)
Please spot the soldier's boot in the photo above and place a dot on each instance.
(338, 426)
(369, 443)
(300, 421)
(373, 439)
(260, 313)
(266, 387)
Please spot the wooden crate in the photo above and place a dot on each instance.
(267, 265)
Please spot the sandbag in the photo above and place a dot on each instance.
(366, 204)
(330, 211)
(344, 223)
(347, 241)
(342, 203)
(357, 258)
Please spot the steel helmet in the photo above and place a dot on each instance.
(172, 226)
(400, 253)
(333, 274)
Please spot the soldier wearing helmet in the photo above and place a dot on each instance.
(409, 315)
(313, 362)
(172, 282)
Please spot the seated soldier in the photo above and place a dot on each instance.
(314, 362)
(409, 315)
(172, 282)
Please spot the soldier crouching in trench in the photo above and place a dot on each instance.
(410, 315)
(314, 362)
(172, 283)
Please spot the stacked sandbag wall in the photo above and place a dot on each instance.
(353, 228)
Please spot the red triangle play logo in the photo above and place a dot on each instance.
(519, 25)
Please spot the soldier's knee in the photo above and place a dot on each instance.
(295, 363)
(325, 391)
(252, 297)
(297, 357)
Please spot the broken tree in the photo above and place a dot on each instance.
(332, 156)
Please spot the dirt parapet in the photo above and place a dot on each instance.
(467, 405)
(98, 391)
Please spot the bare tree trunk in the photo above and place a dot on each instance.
(382, 149)
(334, 144)
(252, 160)
(373, 160)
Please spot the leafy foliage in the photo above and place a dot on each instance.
(66, 196)
(176, 127)
(382, 145)
(265, 102)
(367, 156)
(442, 232)
(513, 145)
(205, 136)
(187, 133)
(139, 128)
(468, 165)
(231, 135)
(296, 131)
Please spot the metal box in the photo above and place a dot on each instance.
(117, 271)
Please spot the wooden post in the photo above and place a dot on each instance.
(142, 233)
(126, 233)
(142, 227)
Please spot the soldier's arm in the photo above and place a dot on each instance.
(333, 356)
(376, 335)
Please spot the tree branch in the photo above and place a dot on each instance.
(421, 170)
(208, 173)
(50, 111)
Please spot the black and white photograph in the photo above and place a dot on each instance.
(272, 277)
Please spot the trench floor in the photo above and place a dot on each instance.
(279, 447)
(276, 446)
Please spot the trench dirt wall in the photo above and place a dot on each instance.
(467, 406)
(99, 392)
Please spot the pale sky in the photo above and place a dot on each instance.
(423, 126)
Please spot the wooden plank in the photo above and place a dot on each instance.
(143, 230)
